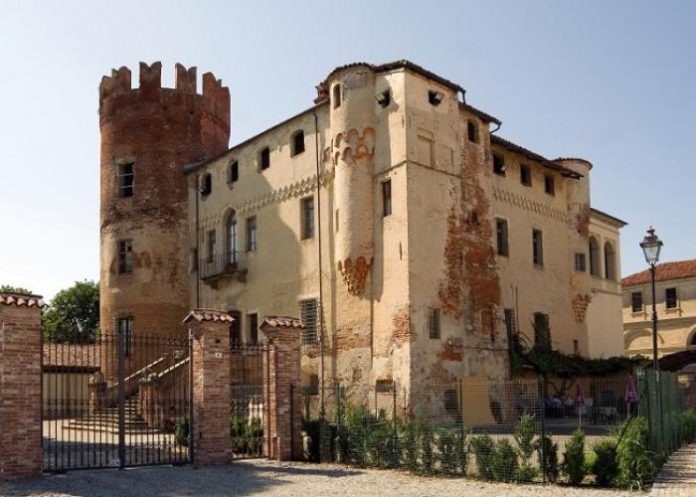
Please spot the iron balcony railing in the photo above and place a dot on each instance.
(219, 265)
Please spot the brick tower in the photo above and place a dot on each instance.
(147, 135)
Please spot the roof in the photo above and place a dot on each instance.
(20, 300)
(513, 147)
(69, 356)
(666, 271)
(479, 113)
(208, 315)
(609, 217)
(282, 322)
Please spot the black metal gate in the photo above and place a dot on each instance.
(120, 400)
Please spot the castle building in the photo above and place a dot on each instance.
(390, 216)
(675, 292)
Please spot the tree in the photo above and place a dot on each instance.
(73, 316)
(13, 289)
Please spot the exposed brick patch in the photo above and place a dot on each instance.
(348, 339)
(582, 220)
(402, 329)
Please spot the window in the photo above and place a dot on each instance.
(235, 327)
(525, 175)
(580, 262)
(501, 233)
(537, 247)
(307, 218)
(386, 198)
(671, 298)
(125, 328)
(125, 180)
(308, 314)
(498, 164)
(510, 322)
(265, 158)
(594, 256)
(549, 185)
(609, 262)
(232, 239)
(472, 131)
(636, 301)
(251, 234)
(206, 184)
(297, 143)
(125, 256)
(542, 333)
(435, 97)
(210, 246)
(384, 386)
(434, 323)
(234, 172)
(450, 400)
(253, 323)
(336, 96)
(576, 347)
(384, 98)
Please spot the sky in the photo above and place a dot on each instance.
(611, 82)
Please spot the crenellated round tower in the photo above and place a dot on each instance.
(352, 121)
(147, 135)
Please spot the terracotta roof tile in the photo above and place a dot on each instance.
(663, 272)
(208, 315)
(283, 322)
(513, 147)
(20, 300)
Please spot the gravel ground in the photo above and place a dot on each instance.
(273, 479)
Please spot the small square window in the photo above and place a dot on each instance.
(126, 179)
(525, 175)
(234, 172)
(501, 232)
(206, 184)
(671, 298)
(298, 143)
(580, 262)
(125, 256)
(434, 323)
(386, 198)
(549, 184)
(472, 131)
(265, 158)
(498, 164)
(450, 400)
(384, 386)
(637, 302)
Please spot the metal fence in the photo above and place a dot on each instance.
(247, 399)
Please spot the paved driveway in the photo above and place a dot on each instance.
(262, 478)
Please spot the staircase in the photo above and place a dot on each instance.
(106, 420)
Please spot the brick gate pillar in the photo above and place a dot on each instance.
(211, 386)
(282, 416)
(21, 453)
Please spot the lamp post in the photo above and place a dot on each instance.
(651, 246)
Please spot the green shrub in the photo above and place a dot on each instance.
(461, 451)
(525, 431)
(547, 452)
(605, 465)
(182, 431)
(446, 451)
(483, 449)
(505, 461)
(409, 446)
(574, 458)
(636, 463)
(687, 426)
(426, 447)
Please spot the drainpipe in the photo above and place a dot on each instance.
(321, 284)
(197, 253)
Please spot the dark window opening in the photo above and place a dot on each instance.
(434, 323)
(671, 298)
(125, 328)
(251, 234)
(498, 164)
(501, 232)
(537, 247)
(510, 322)
(253, 320)
(234, 172)
(210, 245)
(435, 97)
(549, 185)
(125, 256)
(576, 347)
(336, 96)
(594, 256)
(472, 131)
(125, 180)
(384, 98)
(384, 386)
(386, 198)
(235, 327)
(307, 218)
(580, 265)
(308, 314)
(636, 301)
(206, 184)
(265, 158)
(609, 262)
(525, 175)
(451, 401)
(542, 332)
(298, 145)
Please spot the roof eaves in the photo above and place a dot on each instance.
(609, 217)
(513, 147)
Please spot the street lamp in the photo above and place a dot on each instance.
(651, 246)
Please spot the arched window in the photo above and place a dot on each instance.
(232, 239)
(609, 262)
(594, 257)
